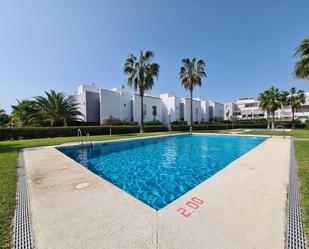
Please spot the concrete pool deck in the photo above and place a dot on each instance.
(242, 206)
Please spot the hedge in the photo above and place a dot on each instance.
(222, 126)
(218, 127)
(71, 131)
(155, 128)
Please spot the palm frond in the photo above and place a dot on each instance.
(301, 69)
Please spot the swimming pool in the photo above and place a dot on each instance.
(159, 170)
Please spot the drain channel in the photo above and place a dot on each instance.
(22, 237)
(295, 237)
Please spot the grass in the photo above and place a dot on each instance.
(8, 164)
(296, 133)
(302, 157)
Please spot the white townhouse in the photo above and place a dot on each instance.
(197, 111)
(97, 104)
(89, 98)
(152, 108)
(170, 107)
(216, 110)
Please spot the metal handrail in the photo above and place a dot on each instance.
(87, 136)
(80, 134)
(272, 132)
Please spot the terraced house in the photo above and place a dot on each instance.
(97, 103)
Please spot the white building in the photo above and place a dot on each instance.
(88, 98)
(170, 107)
(197, 110)
(216, 110)
(152, 108)
(97, 104)
(248, 108)
(117, 103)
(301, 112)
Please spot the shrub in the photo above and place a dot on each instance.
(218, 126)
(79, 123)
(110, 120)
(177, 122)
(155, 128)
(218, 119)
(130, 123)
(71, 131)
(155, 122)
(180, 127)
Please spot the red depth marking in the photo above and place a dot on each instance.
(194, 203)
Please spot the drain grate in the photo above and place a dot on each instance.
(22, 237)
(295, 237)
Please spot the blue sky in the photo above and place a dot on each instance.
(52, 44)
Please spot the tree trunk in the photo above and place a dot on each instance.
(191, 109)
(293, 117)
(142, 113)
(268, 123)
(273, 120)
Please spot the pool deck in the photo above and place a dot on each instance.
(244, 206)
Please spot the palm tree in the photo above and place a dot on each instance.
(301, 69)
(57, 108)
(140, 75)
(23, 112)
(294, 99)
(4, 118)
(190, 75)
(271, 100)
(264, 100)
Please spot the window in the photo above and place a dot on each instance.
(154, 112)
(196, 111)
(145, 109)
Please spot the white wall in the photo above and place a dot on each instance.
(82, 88)
(170, 107)
(126, 106)
(198, 113)
(205, 109)
(109, 104)
(149, 101)
(81, 100)
(218, 109)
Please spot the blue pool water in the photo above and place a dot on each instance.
(159, 170)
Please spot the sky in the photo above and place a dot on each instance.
(248, 46)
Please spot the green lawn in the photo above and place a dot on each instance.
(302, 157)
(8, 164)
(9, 155)
(296, 133)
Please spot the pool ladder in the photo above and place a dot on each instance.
(272, 132)
(80, 134)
